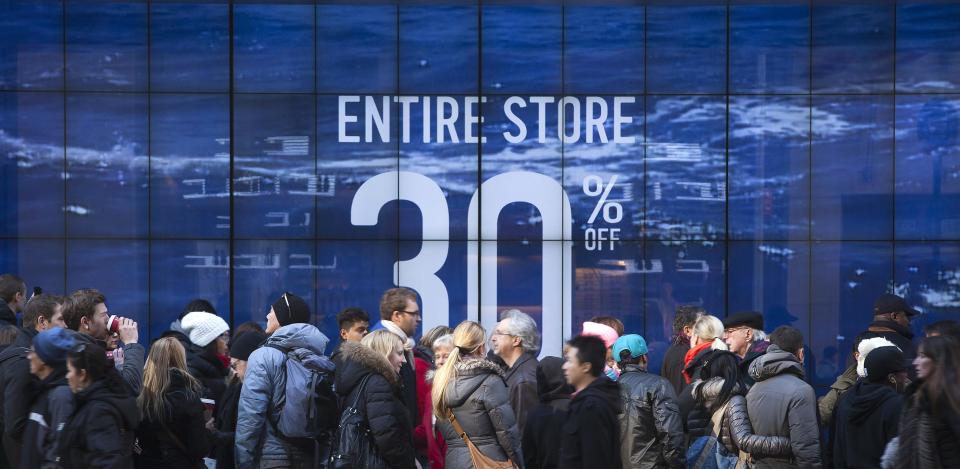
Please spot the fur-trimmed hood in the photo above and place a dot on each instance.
(471, 374)
(358, 361)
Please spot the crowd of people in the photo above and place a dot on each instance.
(78, 390)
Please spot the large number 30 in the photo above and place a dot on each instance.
(419, 273)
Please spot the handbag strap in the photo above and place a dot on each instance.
(717, 419)
(457, 428)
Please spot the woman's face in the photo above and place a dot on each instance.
(222, 348)
(76, 378)
(440, 355)
(239, 367)
(924, 365)
(36, 364)
(396, 359)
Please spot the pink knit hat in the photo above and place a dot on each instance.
(602, 331)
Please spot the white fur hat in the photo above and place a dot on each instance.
(203, 328)
(865, 347)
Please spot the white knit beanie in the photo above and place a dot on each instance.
(203, 328)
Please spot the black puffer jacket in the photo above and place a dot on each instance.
(225, 420)
(382, 400)
(100, 433)
(929, 434)
(591, 434)
(14, 392)
(180, 438)
(651, 433)
(544, 421)
(51, 407)
(736, 433)
(209, 370)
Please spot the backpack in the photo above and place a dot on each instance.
(308, 408)
(352, 445)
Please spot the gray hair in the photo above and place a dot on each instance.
(521, 325)
(759, 336)
(445, 340)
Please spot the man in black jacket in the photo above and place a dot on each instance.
(42, 312)
(683, 322)
(868, 416)
(516, 341)
(545, 421)
(891, 320)
(400, 314)
(591, 434)
(13, 295)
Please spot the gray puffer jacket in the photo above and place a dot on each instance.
(257, 443)
(736, 434)
(651, 433)
(781, 403)
(480, 401)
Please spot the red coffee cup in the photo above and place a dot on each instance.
(113, 324)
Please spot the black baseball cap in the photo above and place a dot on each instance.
(890, 303)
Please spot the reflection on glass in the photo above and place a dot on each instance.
(39, 262)
(928, 53)
(608, 38)
(264, 270)
(119, 269)
(356, 48)
(928, 277)
(189, 47)
(31, 45)
(521, 49)
(183, 270)
(610, 282)
(686, 48)
(273, 48)
(770, 48)
(853, 48)
(439, 49)
(772, 278)
(106, 46)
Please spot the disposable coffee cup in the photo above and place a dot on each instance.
(113, 324)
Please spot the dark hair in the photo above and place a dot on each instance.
(10, 285)
(92, 358)
(248, 326)
(590, 350)
(198, 304)
(81, 304)
(788, 338)
(726, 366)
(350, 316)
(945, 327)
(610, 322)
(625, 359)
(395, 299)
(44, 305)
(8, 334)
(685, 317)
(940, 386)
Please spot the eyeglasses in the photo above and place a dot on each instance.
(412, 313)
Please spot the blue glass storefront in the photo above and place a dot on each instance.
(568, 159)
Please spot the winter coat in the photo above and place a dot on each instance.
(426, 439)
(693, 361)
(542, 430)
(408, 378)
(100, 433)
(672, 368)
(479, 398)
(225, 422)
(382, 401)
(179, 439)
(522, 385)
(257, 442)
(756, 350)
(591, 434)
(827, 404)
(7, 316)
(51, 406)
(651, 434)
(133, 360)
(868, 417)
(15, 381)
(736, 434)
(209, 370)
(929, 433)
(781, 403)
(902, 337)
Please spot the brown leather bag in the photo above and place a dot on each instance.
(480, 460)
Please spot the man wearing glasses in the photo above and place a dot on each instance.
(744, 336)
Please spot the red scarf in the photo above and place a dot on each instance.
(690, 356)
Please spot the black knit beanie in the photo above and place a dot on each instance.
(291, 309)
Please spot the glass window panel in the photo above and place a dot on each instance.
(189, 46)
(351, 274)
(928, 47)
(181, 271)
(928, 276)
(452, 274)
(608, 38)
(356, 48)
(31, 164)
(31, 44)
(686, 48)
(119, 269)
(106, 165)
(610, 282)
(190, 166)
(769, 167)
(853, 48)
(439, 49)
(106, 45)
(265, 269)
(772, 278)
(39, 262)
(522, 48)
(770, 48)
(852, 180)
(273, 47)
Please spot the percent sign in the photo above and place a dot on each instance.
(594, 186)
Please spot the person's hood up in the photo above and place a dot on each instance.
(471, 372)
(868, 397)
(356, 362)
(551, 384)
(119, 399)
(775, 362)
(300, 336)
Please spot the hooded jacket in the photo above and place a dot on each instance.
(651, 434)
(14, 391)
(902, 337)
(867, 418)
(736, 434)
(544, 421)
(382, 401)
(591, 434)
(100, 433)
(179, 439)
(929, 433)
(257, 441)
(827, 404)
(51, 407)
(781, 403)
(209, 370)
(478, 397)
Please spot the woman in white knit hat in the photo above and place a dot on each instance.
(208, 342)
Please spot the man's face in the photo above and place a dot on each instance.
(738, 339)
(575, 372)
(503, 344)
(272, 323)
(56, 320)
(409, 318)
(356, 332)
(36, 364)
(96, 325)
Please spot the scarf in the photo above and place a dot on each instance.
(408, 342)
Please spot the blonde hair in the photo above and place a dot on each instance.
(710, 329)
(166, 355)
(468, 337)
(383, 342)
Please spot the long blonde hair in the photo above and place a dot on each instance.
(166, 355)
(468, 337)
(383, 342)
